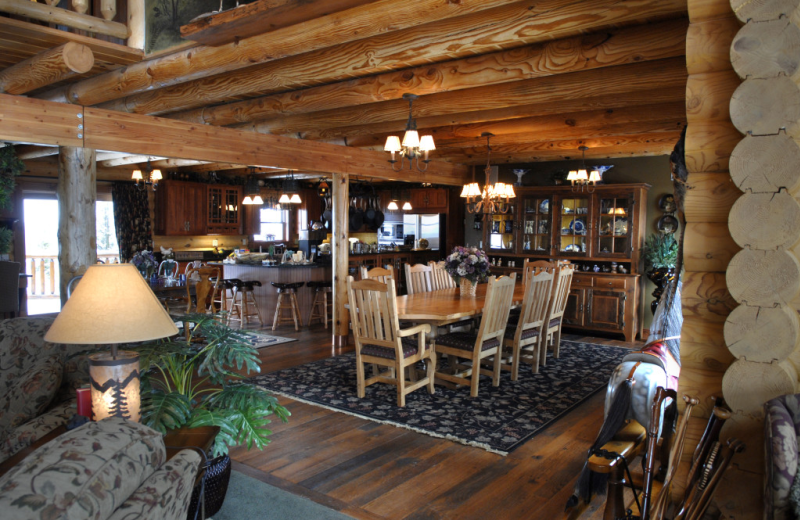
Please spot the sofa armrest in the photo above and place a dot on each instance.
(33, 430)
(165, 495)
(782, 415)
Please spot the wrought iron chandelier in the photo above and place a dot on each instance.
(413, 147)
(252, 191)
(291, 190)
(580, 179)
(153, 176)
(495, 198)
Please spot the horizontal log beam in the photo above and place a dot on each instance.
(316, 35)
(260, 17)
(619, 80)
(28, 120)
(46, 68)
(48, 168)
(58, 16)
(501, 28)
(602, 49)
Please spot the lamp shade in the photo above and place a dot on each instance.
(594, 176)
(284, 199)
(247, 201)
(295, 199)
(392, 144)
(137, 175)
(392, 206)
(407, 206)
(572, 175)
(411, 139)
(258, 201)
(426, 143)
(155, 175)
(582, 175)
(112, 304)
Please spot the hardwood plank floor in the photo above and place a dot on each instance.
(374, 471)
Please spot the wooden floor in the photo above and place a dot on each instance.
(373, 471)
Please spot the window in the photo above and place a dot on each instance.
(273, 225)
(107, 247)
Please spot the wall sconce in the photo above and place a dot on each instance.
(412, 146)
(112, 304)
(580, 178)
(153, 176)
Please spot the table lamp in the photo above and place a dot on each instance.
(112, 304)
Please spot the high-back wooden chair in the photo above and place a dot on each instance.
(168, 268)
(380, 341)
(205, 289)
(555, 314)
(418, 278)
(523, 340)
(487, 342)
(440, 279)
(377, 273)
(529, 265)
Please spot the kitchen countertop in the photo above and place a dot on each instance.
(284, 266)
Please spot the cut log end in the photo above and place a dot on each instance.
(765, 220)
(762, 334)
(765, 164)
(763, 278)
(747, 385)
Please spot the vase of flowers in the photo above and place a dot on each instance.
(146, 263)
(467, 266)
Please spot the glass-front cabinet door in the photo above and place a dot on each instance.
(573, 213)
(614, 226)
(501, 231)
(536, 226)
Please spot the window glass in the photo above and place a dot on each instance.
(273, 225)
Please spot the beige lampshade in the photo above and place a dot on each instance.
(111, 304)
(407, 206)
(137, 175)
(392, 206)
(411, 139)
(426, 143)
(392, 144)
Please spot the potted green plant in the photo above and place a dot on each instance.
(660, 258)
(6, 239)
(195, 380)
(10, 167)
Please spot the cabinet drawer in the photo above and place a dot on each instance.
(611, 283)
(582, 280)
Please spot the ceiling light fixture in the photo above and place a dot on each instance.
(495, 198)
(412, 147)
(153, 176)
(252, 191)
(580, 178)
(291, 190)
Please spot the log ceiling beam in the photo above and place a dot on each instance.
(504, 27)
(46, 68)
(27, 120)
(377, 18)
(261, 16)
(619, 80)
(47, 167)
(583, 52)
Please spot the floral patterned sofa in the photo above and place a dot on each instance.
(113, 469)
(37, 382)
(781, 429)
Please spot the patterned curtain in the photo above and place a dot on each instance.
(131, 219)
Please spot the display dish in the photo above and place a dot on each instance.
(667, 224)
(544, 206)
(621, 226)
(577, 226)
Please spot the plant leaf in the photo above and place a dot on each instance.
(164, 411)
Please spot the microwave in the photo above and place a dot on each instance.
(391, 231)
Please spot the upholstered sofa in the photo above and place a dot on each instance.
(781, 429)
(113, 469)
(37, 382)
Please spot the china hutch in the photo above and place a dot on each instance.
(601, 232)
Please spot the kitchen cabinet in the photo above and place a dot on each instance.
(224, 214)
(428, 200)
(181, 208)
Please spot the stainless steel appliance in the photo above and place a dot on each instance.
(391, 231)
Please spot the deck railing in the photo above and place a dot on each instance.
(45, 274)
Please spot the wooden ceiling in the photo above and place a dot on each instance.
(544, 77)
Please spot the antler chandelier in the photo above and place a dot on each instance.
(495, 198)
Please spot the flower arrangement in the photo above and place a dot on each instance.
(469, 263)
(145, 262)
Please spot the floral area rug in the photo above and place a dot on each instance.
(499, 420)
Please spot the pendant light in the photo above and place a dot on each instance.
(252, 191)
(291, 190)
(413, 147)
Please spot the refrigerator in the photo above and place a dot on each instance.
(422, 226)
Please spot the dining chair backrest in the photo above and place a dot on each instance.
(194, 264)
(529, 265)
(168, 268)
(377, 273)
(440, 279)
(205, 289)
(499, 295)
(558, 302)
(373, 313)
(536, 301)
(418, 278)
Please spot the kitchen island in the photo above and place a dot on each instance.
(267, 295)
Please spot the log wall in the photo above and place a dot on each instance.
(742, 333)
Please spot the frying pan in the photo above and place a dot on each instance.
(356, 217)
(327, 215)
(379, 216)
(369, 215)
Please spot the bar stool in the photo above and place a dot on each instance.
(319, 307)
(243, 297)
(225, 295)
(289, 290)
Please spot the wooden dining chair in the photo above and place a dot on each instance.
(523, 339)
(380, 341)
(485, 343)
(529, 265)
(418, 278)
(440, 279)
(555, 314)
(377, 273)
(205, 289)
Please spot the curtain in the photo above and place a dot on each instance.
(131, 219)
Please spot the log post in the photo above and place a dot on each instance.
(77, 195)
(341, 258)
(136, 24)
(47, 67)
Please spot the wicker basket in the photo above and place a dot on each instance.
(218, 474)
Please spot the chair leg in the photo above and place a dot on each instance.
(295, 309)
(543, 348)
(400, 377)
(498, 361)
(515, 354)
(431, 373)
(361, 385)
(325, 306)
(277, 311)
(314, 304)
(476, 376)
(537, 347)
(557, 342)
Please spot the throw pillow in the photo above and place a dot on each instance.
(30, 394)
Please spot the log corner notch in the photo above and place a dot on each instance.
(29, 120)
(46, 68)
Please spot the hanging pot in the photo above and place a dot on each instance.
(356, 218)
(369, 215)
(379, 216)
